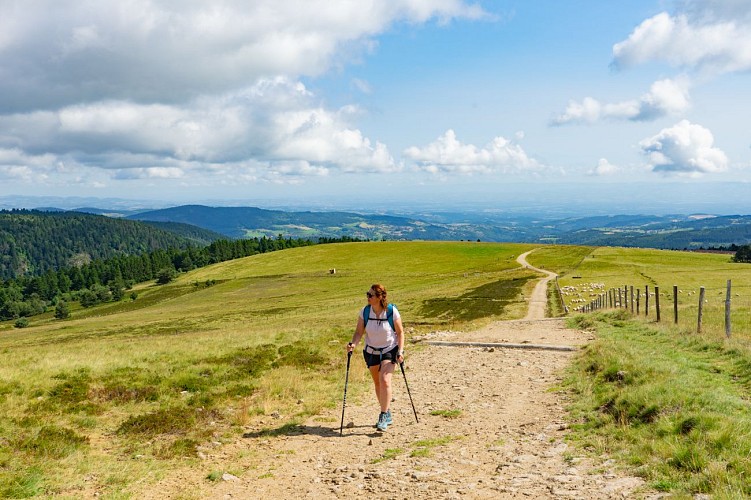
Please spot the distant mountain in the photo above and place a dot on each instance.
(672, 232)
(33, 242)
(652, 231)
(109, 212)
(244, 222)
(71, 202)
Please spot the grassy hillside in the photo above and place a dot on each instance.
(663, 400)
(602, 268)
(124, 391)
(670, 406)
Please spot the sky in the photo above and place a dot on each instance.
(629, 107)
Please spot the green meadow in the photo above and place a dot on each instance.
(115, 396)
(122, 392)
(668, 403)
(603, 268)
(667, 406)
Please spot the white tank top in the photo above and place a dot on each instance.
(378, 331)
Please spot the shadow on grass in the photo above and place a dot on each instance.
(486, 300)
(291, 429)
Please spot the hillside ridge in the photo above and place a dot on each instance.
(649, 231)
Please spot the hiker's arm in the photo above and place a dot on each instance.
(399, 338)
(357, 336)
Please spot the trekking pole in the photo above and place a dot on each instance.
(344, 403)
(401, 365)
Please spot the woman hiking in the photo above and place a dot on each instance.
(381, 324)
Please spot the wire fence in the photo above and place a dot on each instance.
(717, 310)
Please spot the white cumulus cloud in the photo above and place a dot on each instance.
(665, 97)
(604, 167)
(712, 38)
(20, 166)
(150, 173)
(55, 53)
(276, 121)
(448, 155)
(685, 148)
(15, 172)
(150, 89)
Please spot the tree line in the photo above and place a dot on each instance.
(108, 280)
(33, 242)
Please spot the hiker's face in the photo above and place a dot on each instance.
(370, 294)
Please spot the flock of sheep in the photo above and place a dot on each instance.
(584, 293)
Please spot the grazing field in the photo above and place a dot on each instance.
(603, 268)
(668, 402)
(119, 393)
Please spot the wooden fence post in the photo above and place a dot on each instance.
(657, 302)
(632, 299)
(625, 297)
(638, 292)
(560, 295)
(675, 303)
(701, 309)
(620, 298)
(727, 312)
(646, 300)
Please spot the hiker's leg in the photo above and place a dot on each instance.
(376, 381)
(384, 385)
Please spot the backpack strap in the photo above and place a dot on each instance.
(389, 315)
(366, 315)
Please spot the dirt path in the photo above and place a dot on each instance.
(538, 302)
(505, 440)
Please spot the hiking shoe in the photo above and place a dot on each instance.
(389, 421)
(382, 424)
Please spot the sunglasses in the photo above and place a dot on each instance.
(370, 295)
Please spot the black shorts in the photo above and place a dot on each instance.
(376, 358)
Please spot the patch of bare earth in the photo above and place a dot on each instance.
(489, 427)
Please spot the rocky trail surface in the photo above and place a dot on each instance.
(489, 427)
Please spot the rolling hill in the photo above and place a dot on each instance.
(33, 242)
(243, 222)
(648, 231)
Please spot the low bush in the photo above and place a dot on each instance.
(51, 442)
